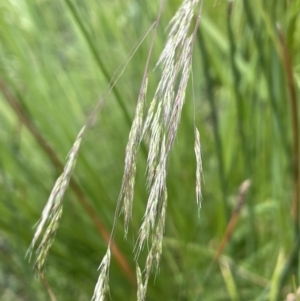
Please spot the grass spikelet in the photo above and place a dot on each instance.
(186, 61)
(155, 252)
(52, 212)
(157, 193)
(127, 188)
(154, 145)
(198, 167)
(102, 287)
(140, 286)
(48, 239)
(156, 248)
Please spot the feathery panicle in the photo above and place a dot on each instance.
(128, 181)
(150, 115)
(161, 127)
(156, 196)
(135, 138)
(48, 239)
(154, 254)
(198, 167)
(180, 26)
(53, 210)
(186, 62)
(102, 287)
(154, 146)
(164, 113)
(156, 247)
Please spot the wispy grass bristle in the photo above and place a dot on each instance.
(134, 140)
(155, 252)
(53, 210)
(198, 167)
(102, 287)
(157, 193)
(140, 285)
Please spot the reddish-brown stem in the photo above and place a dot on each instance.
(241, 200)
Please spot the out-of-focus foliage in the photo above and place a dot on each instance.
(56, 60)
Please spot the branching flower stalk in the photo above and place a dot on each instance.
(135, 137)
(127, 189)
(160, 129)
(162, 125)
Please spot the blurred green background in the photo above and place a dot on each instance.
(56, 60)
